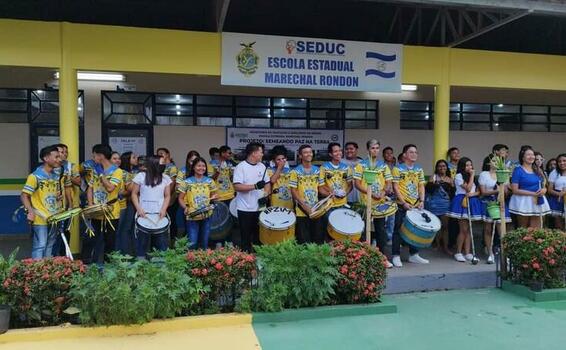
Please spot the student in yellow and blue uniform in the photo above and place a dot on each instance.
(195, 194)
(171, 171)
(279, 175)
(223, 174)
(336, 177)
(42, 196)
(452, 157)
(105, 186)
(304, 182)
(381, 207)
(409, 185)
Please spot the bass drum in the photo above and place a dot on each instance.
(419, 228)
(276, 224)
(220, 222)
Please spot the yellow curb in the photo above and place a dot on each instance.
(76, 331)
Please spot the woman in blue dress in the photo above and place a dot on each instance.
(439, 192)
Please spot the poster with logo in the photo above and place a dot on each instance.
(121, 144)
(307, 63)
(292, 139)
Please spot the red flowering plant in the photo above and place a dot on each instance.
(536, 256)
(37, 290)
(362, 272)
(224, 272)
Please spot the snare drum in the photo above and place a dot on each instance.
(383, 209)
(320, 208)
(94, 211)
(419, 228)
(276, 224)
(220, 222)
(345, 224)
(69, 214)
(151, 224)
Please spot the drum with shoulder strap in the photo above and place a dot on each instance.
(320, 208)
(345, 224)
(220, 222)
(151, 224)
(276, 224)
(419, 227)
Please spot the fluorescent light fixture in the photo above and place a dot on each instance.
(178, 112)
(177, 97)
(407, 87)
(177, 107)
(500, 105)
(496, 124)
(97, 76)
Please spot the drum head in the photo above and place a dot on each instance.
(415, 216)
(152, 222)
(233, 208)
(346, 221)
(219, 216)
(277, 218)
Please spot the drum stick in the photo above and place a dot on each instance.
(368, 214)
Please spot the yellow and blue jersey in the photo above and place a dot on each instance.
(409, 179)
(281, 193)
(306, 185)
(100, 196)
(336, 177)
(453, 169)
(381, 178)
(46, 192)
(224, 179)
(87, 169)
(197, 194)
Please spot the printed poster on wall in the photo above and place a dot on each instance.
(121, 144)
(44, 141)
(292, 139)
(307, 63)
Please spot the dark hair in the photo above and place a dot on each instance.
(251, 147)
(486, 165)
(194, 164)
(461, 169)
(388, 148)
(498, 147)
(438, 162)
(113, 153)
(163, 149)
(212, 151)
(557, 167)
(400, 159)
(300, 150)
(103, 149)
(45, 151)
(61, 145)
(331, 145)
(153, 171)
(548, 162)
(278, 150)
(450, 151)
(189, 156)
(406, 147)
(126, 161)
(223, 149)
(351, 143)
(537, 153)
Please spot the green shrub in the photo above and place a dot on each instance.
(6, 265)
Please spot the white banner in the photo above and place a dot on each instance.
(121, 144)
(307, 63)
(292, 139)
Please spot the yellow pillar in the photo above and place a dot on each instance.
(68, 114)
(442, 110)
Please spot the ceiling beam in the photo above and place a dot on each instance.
(540, 7)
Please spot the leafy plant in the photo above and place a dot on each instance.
(498, 163)
(361, 268)
(6, 265)
(536, 255)
(38, 290)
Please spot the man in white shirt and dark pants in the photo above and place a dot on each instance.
(251, 184)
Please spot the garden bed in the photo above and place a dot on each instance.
(554, 294)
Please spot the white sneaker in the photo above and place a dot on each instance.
(459, 257)
(491, 259)
(388, 264)
(416, 259)
(469, 257)
(397, 261)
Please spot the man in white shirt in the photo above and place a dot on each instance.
(251, 183)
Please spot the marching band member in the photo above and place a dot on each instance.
(214, 153)
(125, 242)
(453, 157)
(184, 171)
(223, 172)
(304, 183)
(151, 194)
(105, 185)
(195, 194)
(42, 196)
(171, 171)
(336, 177)
(378, 192)
(352, 159)
(391, 162)
(502, 151)
(279, 175)
(252, 185)
(557, 191)
(409, 185)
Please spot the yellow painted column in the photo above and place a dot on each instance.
(442, 110)
(68, 115)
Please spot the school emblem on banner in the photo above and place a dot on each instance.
(247, 59)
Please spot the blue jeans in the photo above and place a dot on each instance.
(144, 241)
(198, 233)
(43, 240)
(390, 226)
(125, 231)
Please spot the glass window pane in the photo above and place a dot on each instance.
(290, 123)
(454, 116)
(352, 104)
(173, 110)
(214, 100)
(127, 97)
(181, 120)
(127, 119)
(558, 119)
(532, 118)
(535, 127)
(13, 106)
(326, 103)
(535, 109)
(214, 121)
(360, 124)
(14, 94)
(289, 113)
(252, 101)
(455, 107)
(370, 115)
(290, 102)
(475, 107)
(454, 126)
(252, 122)
(414, 105)
(252, 112)
(214, 111)
(173, 98)
(422, 116)
(405, 124)
(558, 109)
(323, 114)
(507, 118)
(476, 126)
(502, 108)
(558, 127)
(484, 117)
